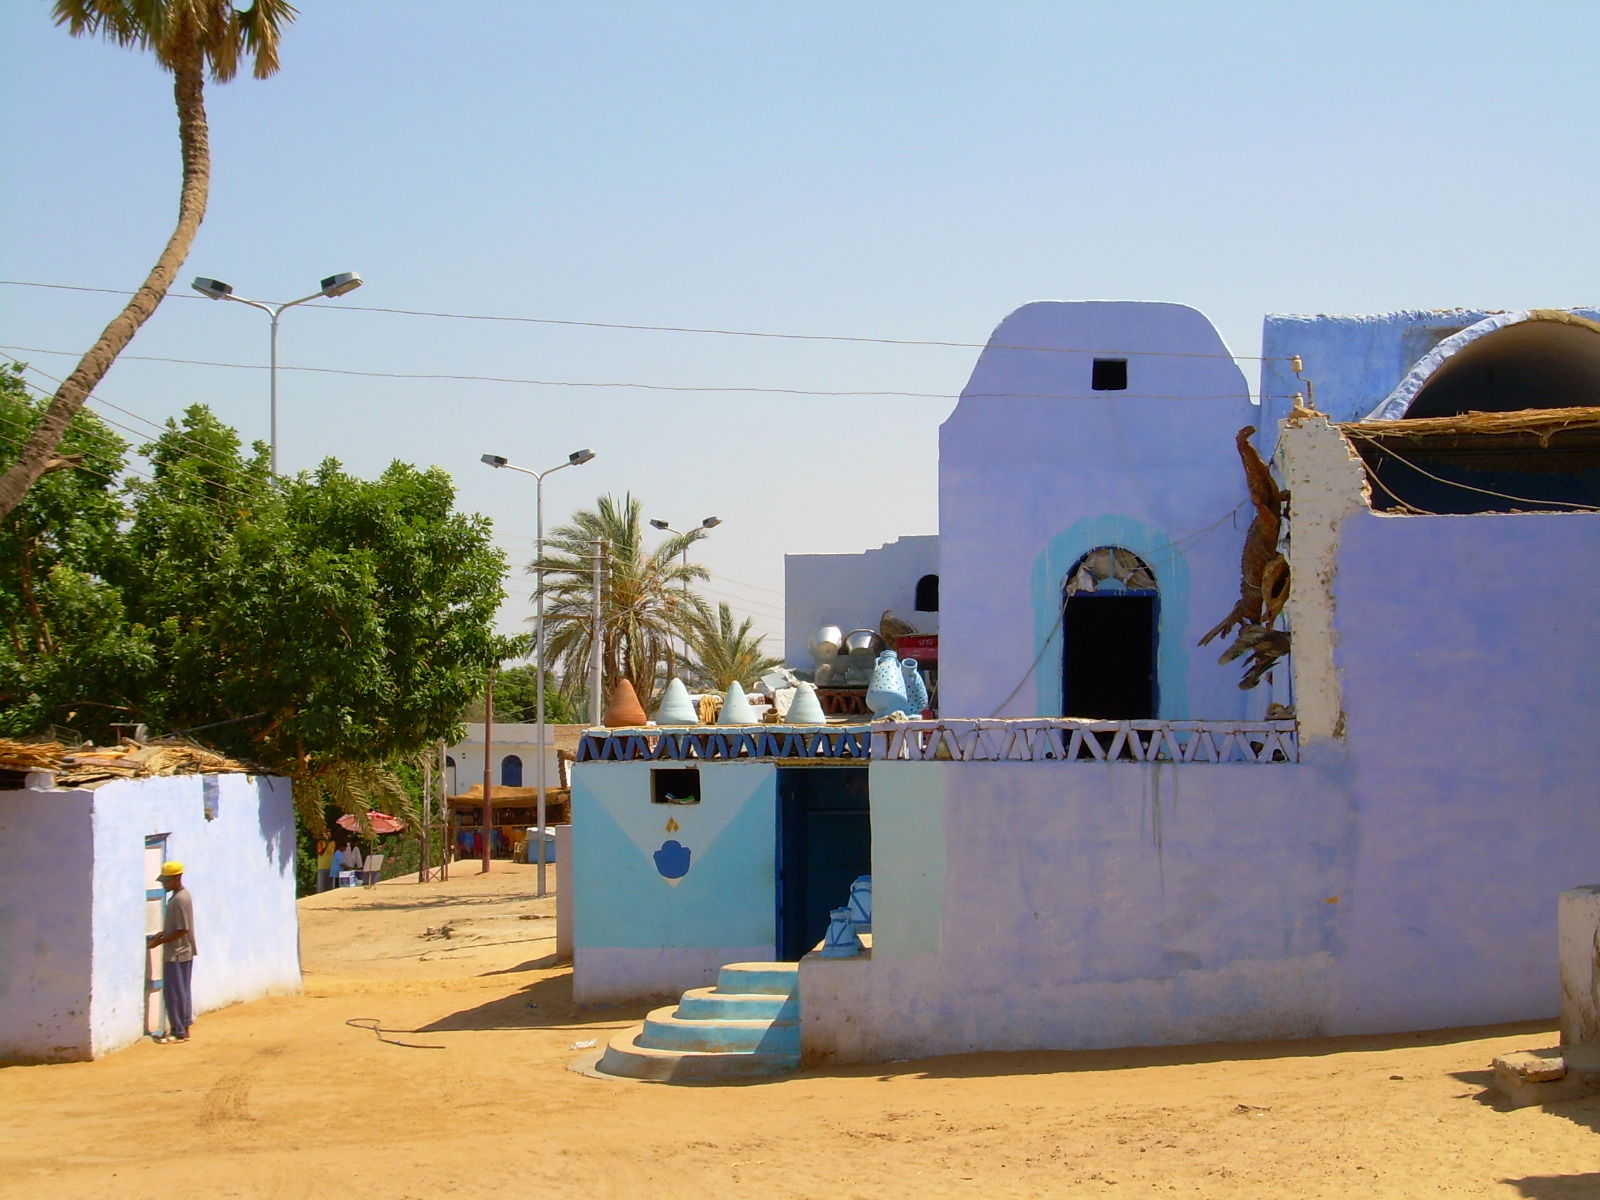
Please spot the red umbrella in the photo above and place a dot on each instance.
(381, 822)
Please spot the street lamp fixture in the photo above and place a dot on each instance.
(708, 523)
(333, 286)
(576, 459)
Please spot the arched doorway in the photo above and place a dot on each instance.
(1110, 612)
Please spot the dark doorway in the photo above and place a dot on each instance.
(1108, 657)
(824, 843)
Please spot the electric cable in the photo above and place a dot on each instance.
(741, 333)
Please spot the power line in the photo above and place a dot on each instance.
(634, 385)
(741, 333)
(200, 450)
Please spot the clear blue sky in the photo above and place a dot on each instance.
(907, 171)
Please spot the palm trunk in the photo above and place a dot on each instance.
(189, 92)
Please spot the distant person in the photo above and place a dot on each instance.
(352, 862)
(177, 941)
(336, 864)
(325, 851)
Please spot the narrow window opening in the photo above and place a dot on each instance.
(928, 594)
(1109, 375)
(511, 771)
(675, 785)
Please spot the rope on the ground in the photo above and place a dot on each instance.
(373, 1024)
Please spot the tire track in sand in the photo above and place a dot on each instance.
(226, 1102)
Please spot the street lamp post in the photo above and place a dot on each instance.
(332, 286)
(576, 459)
(708, 523)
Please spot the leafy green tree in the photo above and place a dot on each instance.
(323, 627)
(187, 37)
(516, 699)
(723, 653)
(645, 607)
(67, 653)
(335, 623)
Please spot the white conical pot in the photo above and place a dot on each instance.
(676, 708)
(805, 708)
(736, 708)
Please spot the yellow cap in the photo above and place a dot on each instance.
(171, 868)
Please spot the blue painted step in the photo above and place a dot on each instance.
(748, 1025)
(708, 1004)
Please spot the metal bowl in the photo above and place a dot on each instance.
(863, 643)
(824, 642)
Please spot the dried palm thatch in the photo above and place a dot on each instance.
(1537, 425)
(80, 765)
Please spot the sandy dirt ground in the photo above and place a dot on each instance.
(428, 1057)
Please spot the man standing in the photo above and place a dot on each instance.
(177, 939)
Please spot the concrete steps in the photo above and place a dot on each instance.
(747, 1026)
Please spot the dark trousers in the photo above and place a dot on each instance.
(177, 997)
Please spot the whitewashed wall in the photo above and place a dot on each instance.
(1403, 875)
(1353, 361)
(509, 738)
(46, 924)
(852, 590)
(1036, 468)
(72, 886)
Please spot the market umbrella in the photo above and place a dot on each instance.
(381, 822)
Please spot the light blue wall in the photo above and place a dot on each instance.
(1034, 465)
(1084, 905)
(908, 870)
(46, 932)
(626, 911)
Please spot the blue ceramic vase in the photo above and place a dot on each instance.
(887, 692)
(916, 690)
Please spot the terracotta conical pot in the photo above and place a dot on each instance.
(676, 708)
(624, 710)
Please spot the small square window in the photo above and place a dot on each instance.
(1110, 375)
(675, 785)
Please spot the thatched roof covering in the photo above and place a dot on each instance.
(502, 794)
(1534, 439)
(81, 765)
(1540, 425)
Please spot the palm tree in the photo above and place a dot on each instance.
(187, 37)
(645, 605)
(723, 654)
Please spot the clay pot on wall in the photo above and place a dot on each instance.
(624, 710)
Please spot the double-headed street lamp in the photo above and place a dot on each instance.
(576, 459)
(332, 286)
(707, 524)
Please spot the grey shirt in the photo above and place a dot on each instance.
(179, 915)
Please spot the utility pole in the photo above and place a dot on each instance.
(427, 818)
(597, 702)
(446, 841)
(488, 771)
